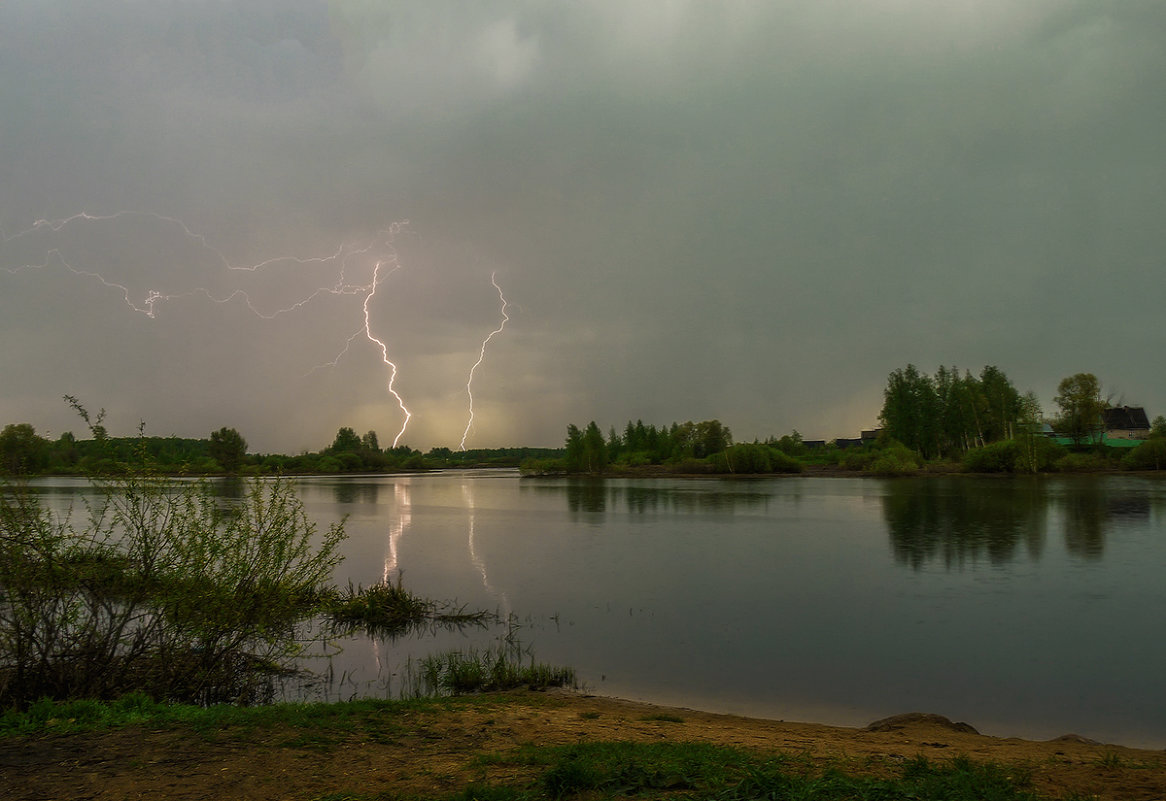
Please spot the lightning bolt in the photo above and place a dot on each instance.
(378, 251)
(482, 357)
(341, 257)
(341, 260)
(384, 348)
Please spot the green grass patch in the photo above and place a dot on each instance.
(506, 666)
(65, 717)
(700, 770)
(389, 610)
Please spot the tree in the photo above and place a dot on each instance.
(228, 448)
(347, 441)
(22, 450)
(711, 436)
(1079, 399)
(369, 442)
(574, 455)
(1028, 433)
(1158, 427)
(910, 409)
(1001, 402)
(594, 449)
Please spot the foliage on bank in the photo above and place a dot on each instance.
(596, 769)
(166, 589)
(23, 452)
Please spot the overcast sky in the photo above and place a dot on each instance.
(752, 211)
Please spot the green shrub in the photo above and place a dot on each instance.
(1150, 455)
(855, 459)
(996, 457)
(170, 590)
(895, 459)
(542, 467)
(1082, 463)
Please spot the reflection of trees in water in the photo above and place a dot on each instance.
(595, 496)
(587, 495)
(1091, 507)
(641, 500)
(232, 487)
(960, 520)
(356, 491)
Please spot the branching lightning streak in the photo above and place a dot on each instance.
(384, 348)
(341, 256)
(482, 357)
(149, 302)
(152, 298)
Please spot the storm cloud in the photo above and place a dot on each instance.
(752, 211)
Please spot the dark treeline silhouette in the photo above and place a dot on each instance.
(704, 447)
(24, 452)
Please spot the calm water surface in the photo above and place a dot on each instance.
(1027, 607)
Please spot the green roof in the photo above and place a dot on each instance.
(1109, 443)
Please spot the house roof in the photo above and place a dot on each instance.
(1126, 417)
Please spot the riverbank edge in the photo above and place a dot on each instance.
(433, 747)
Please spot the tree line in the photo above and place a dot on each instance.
(24, 452)
(988, 424)
(688, 447)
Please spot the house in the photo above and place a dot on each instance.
(1126, 422)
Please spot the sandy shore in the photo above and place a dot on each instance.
(433, 751)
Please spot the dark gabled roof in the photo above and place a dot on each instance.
(1126, 417)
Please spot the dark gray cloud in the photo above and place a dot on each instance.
(753, 211)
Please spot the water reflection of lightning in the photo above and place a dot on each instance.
(468, 498)
(404, 518)
(397, 530)
(481, 358)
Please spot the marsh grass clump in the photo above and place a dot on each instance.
(389, 610)
(505, 666)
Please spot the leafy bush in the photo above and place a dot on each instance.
(855, 459)
(1082, 463)
(168, 590)
(995, 457)
(895, 459)
(753, 458)
(1150, 455)
(542, 467)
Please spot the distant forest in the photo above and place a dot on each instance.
(944, 422)
(23, 451)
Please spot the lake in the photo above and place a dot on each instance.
(1025, 606)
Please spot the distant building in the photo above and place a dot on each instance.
(1126, 422)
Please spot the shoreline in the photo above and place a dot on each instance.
(433, 748)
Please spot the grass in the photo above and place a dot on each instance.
(389, 610)
(505, 666)
(698, 770)
(69, 717)
(585, 771)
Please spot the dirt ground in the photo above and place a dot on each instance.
(432, 752)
